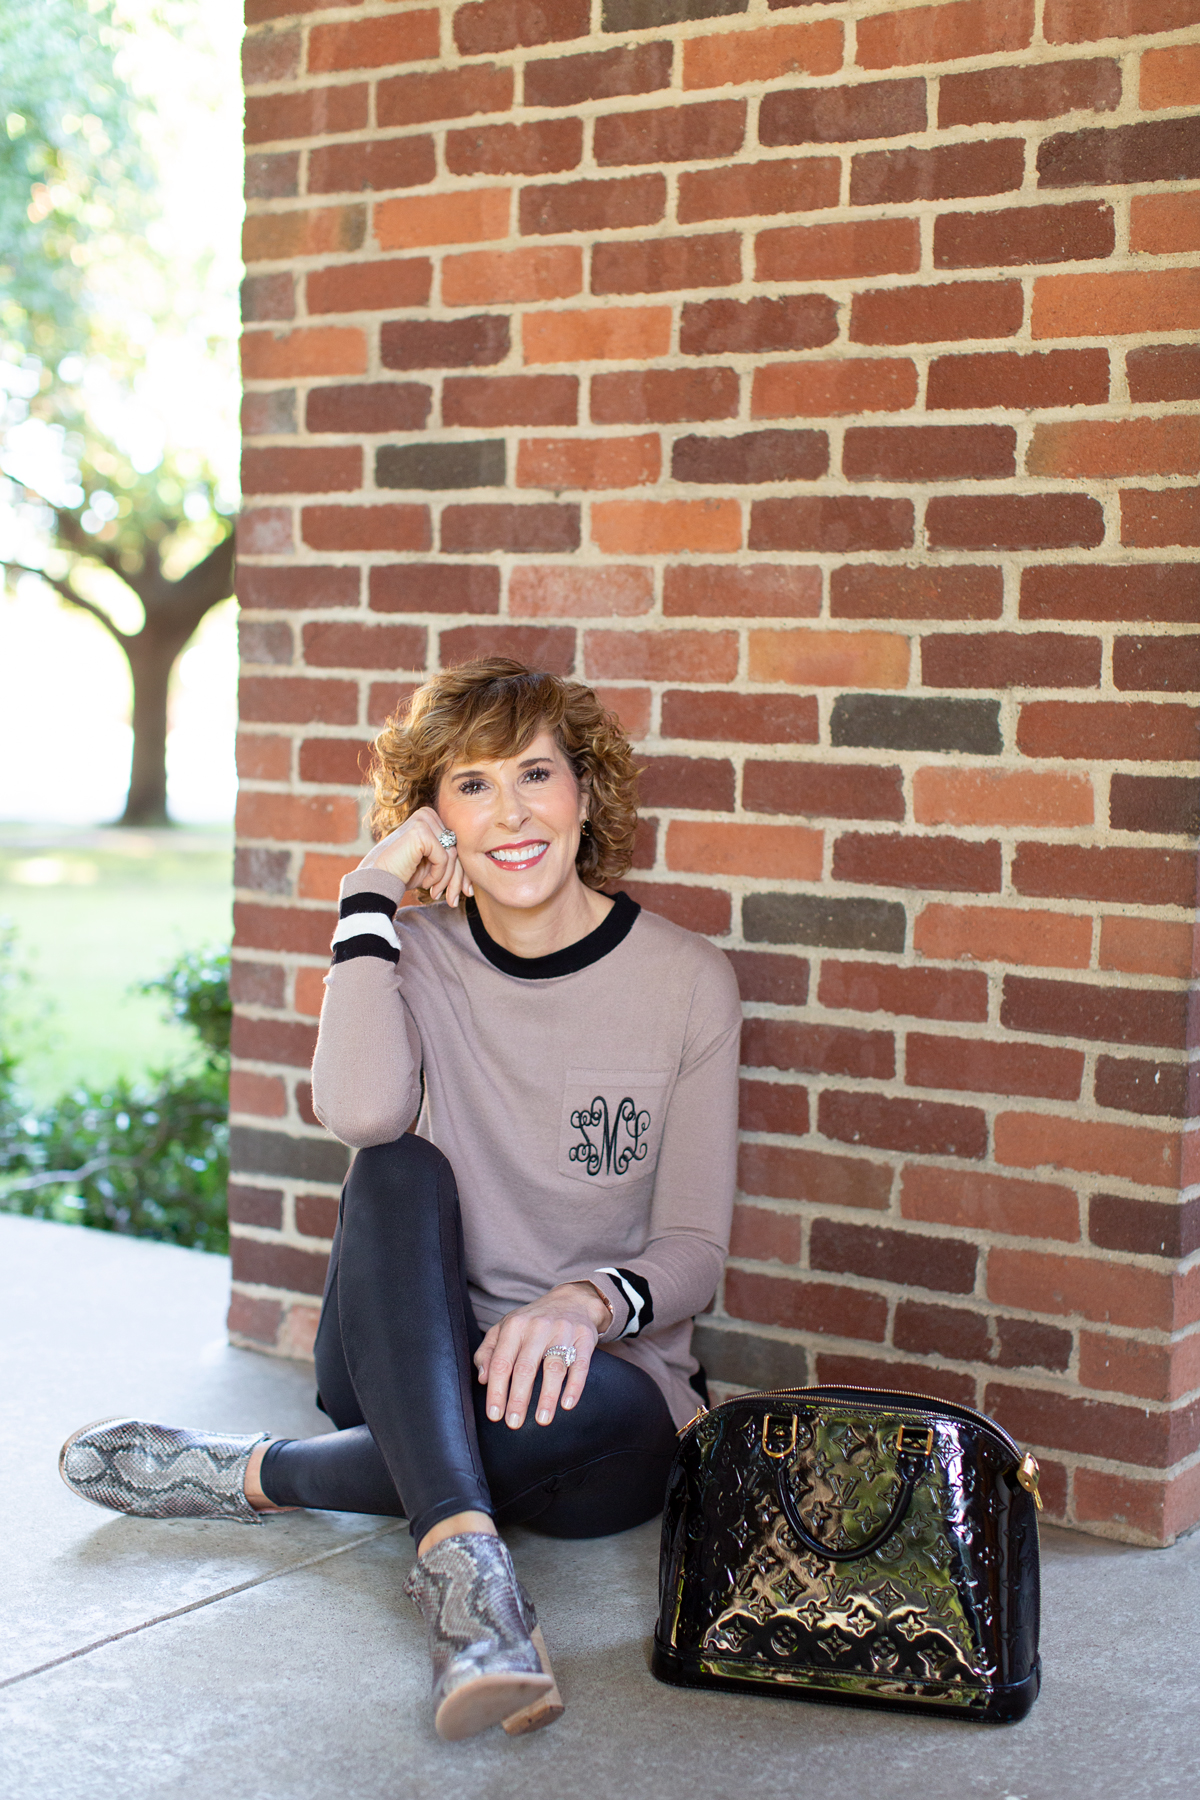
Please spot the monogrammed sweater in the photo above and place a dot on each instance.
(587, 1102)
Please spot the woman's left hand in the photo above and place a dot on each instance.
(511, 1353)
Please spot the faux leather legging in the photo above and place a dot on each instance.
(395, 1374)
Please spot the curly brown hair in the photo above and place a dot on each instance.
(493, 708)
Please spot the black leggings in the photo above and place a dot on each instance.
(394, 1370)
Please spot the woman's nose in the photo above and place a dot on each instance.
(512, 807)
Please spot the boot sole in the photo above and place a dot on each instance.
(488, 1700)
(547, 1707)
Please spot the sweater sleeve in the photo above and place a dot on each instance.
(677, 1273)
(367, 1069)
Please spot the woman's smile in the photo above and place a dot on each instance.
(519, 856)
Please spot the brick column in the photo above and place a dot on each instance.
(819, 382)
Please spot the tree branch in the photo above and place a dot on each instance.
(68, 593)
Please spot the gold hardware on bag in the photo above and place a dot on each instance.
(695, 1418)
(778, 1455)
(926, 1449)
(1027, 1475)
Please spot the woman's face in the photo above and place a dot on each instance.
(517, 822)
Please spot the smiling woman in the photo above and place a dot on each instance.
(541, 1083)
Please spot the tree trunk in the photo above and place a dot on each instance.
(150, 665)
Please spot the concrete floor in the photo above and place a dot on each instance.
(142, 1659)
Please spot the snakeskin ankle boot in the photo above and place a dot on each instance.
(160, 1471)
(487, 1669)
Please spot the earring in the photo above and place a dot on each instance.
(585, 830)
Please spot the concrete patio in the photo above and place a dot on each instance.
(142, 1659)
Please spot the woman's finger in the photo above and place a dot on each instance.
(483, 1356)
(577, 1374)
(537, 1335)
(504, 1354)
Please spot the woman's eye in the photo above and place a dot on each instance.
(538, 775)
(471, 787)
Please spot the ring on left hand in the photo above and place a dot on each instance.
(447, 840)
(563, 1353)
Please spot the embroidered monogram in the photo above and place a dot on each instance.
(609, 1146)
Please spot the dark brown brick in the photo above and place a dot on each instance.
(858, 591)
(1114, 730)
(959, 994)
(292, 589)
(1010, 659)
(775, 980)
(1169, 664)
(752, 457)
(602, 75)
(843, 114)
(494, 25)
(457, 464)
(941, 313)
(901, 1257)
(1001, 96)
(771, 1106)
(702, 132)
(740, 718)
(850, 924)
(444, 343)
(1144, 1227)
(925, 1378)
(549, 647)
(316, 1215)
(278, 1265)
(592, 205)
(644, 15)
(510, 400)
(663, 265)
(1155, 1089)
(705, 910)
(949, 864)
(1024, 234)
(270, 414)
(255, 1206)
(699, 782)
(754, 591)
(257, 983)
(947, 172)
(265, 872)
(1014, 522)
(374, 165)
(273, 177)
(746, 1358)
(270, 56)
(942, 1331)
(268, 297)
(818, 1049)
(263, 642)
(1162, 803)
(795, 322)
(440, 94)
(435, 587)
(663, 396)
(1103, 872)
(543, 147)
(1021, 381)
(986, 1066)
(1025, 1344)
(1163, 372)
(375, 406)
(1127, 593)
(831, 522)
(929, 452)
(905, 722)
(523, 529)
(810, 1306)
(1155, 1017)
(1155, 150)
(1060, 1421)
(823, 790)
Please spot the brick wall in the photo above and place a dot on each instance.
(817, 380)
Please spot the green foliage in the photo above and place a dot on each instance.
(146, 1158)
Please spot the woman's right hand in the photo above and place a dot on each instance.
(415, 854)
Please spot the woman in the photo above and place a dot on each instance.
(505, 1332)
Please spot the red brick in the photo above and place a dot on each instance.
(549, 647)
(522, 529)
(732, 58)
(756, 189)
(1000, 95)
(316, 112)
(478, 341)
(297, 699)
(370, 287)
(1145, 1227)
(1027, 234)
(1164, 372)
(661, 656)
(904, 1258)
(752, 458)
(945, 796)
(756, 591)
(1042, 659)
(835, 252)
(917, 993)
(543, 147)
(593, 205)
(472, 217)
(855, 659)
(263, 758)
(664, 264)
(278, 1265)
(859, 591)
(1135, 1152)
(1153, 517)
(274, 1040)
(1010, 379)
(760, 1235)
(831, 522)
(346, 646)
(1116, 304)
(701, 783)
(941, 33)
(1108, 1293)
(488, 277)
(258, 1320)
(794, 322)
(890, 860)
(870, 1371)
(298, 586)
(336, 762)
(373, 43)
(1014, 522)
(282, 928)
(1106, 447)
(256, 1206)
(319, 350)
(263, 1095)
(1169, 664)
(824, 389)
(664, 396)
(301, 471)
(1137, 1508)
(601, 75)
(818, 1049)
(560, 591)
(321, 820)
(947, 172)
(1060, 1421)
(986, 1066)
(974, 1201)
(1146, 946)
(771, 978)
(366, 527)
(617, 462)
(320, 879)
(1164, 224)
(740, 718)
(816, 1306)
(601, 334)
(929, 452)
(439, 94)
(1004, 934)
(824, 790)
(657, 527)
(510, 400)
(260, 642)
(825, 1181)
(273, 177)
(929, 315)
(920, 1127)
(268, 297)
(1119, 1014)
(493, 25)
(371, 407)
(843, 113)
(316, 1215)
(375, 164)
(1121, 731)
(710, 130)
(1169, 77)
(942, 1331)
(706, 910)
(270, 56)
(304, 231)
(1153, 150)
(1168, 592)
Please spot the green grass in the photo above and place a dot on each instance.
(96, 912)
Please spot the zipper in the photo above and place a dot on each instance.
(836, 1389)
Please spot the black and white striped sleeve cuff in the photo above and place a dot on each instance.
(635, 1291)
(365, 929)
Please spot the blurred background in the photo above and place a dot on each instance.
(120, 213)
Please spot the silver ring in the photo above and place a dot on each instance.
(447, 840)
(563, 1353)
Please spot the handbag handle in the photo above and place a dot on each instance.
(908, 1479)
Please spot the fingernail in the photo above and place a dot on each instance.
(543, 1418)
(567, 1403)
(514, 1419)
(493, 1412)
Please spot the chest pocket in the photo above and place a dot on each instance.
(612, 1125)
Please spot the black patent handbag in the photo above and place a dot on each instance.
(854, 1545)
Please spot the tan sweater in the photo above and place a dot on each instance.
(587, 1102)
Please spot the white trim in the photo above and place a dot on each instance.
(363, 924)
(632, 1299)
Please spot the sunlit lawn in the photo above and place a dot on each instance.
(95, 912)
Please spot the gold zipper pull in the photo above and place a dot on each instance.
(1027, 1475)
(694, 1420)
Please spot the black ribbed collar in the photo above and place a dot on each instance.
(612, 930)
